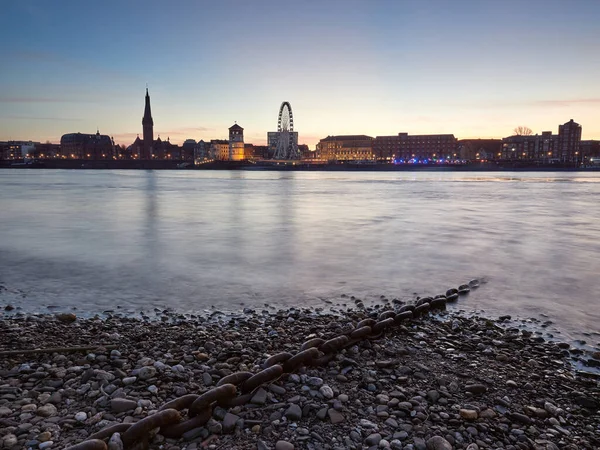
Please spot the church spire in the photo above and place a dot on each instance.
(147, 119)
(148, 129)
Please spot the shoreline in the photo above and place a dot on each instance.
(398, 392)
(300, 166)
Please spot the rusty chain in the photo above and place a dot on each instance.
(238, 388)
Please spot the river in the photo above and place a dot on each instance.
(197, 241)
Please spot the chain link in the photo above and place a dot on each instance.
(238, 388)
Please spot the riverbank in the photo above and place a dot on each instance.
(438, 382)
(302, 166)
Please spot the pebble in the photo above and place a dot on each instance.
(284, 445)
(438, 443)
(468, 414)
(119, 405)
(326, 391)
(81, 417)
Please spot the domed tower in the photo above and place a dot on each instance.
(148, 129)
(236, 143)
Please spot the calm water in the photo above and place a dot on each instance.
(193, 240)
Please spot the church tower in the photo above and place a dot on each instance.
(148, 128)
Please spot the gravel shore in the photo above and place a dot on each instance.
(441, 382)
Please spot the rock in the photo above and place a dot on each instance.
(10, 440)
(487, 414)
(476, 389)
(48, 410)
(521, 418)
(468, 414)
(315, 381)
(119, 405)
(438, 443)
(146, 372)
(4, 411)
(80, 416)
(9, 307)
(66, 317)
(115, 442)
(284, 445)
(335, 416)
(373, 439)
(260, 397)
(46, 444)
(326, 391)
(293, 413)
(207, 379)
(129, 380)
(433, 396)
(229, 422)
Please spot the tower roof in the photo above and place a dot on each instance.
(147, 119)
(236, 127)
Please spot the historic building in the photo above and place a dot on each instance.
(236, 143)
(346, 148)
(148, 148)
(406, 147)
(219, 149)
(86, 146)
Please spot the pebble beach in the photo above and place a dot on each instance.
(443, 381)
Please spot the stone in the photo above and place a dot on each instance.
(487, 414)
(438, 443)
(80, 416)
(207, 379)
(260, 397)
(335, 416)
(293, 413)
(476, 389)
(326, 391)
(10, 440)
(115, 442)
(146, 372)
(229, 422)
(129, 380)
(46, 444)
(5, 412)
(284, 445)
(66, 317)
(315, 381)
(48, 410)
(119, 405)
(433, 396)
(373, 439)
(468, 414)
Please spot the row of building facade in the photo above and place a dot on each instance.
(564, 147)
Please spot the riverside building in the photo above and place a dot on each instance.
(87, 146)
(346, 148)
(404, 147)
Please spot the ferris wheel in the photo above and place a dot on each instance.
(287, 145)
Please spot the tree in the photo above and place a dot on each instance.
(522, 131)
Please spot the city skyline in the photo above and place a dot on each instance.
(377, 68)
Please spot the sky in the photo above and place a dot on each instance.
(471, 68)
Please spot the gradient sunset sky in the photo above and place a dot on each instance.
(472, 68)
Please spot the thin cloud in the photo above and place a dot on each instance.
(57, 119)
(568, 102)
(43, 100)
